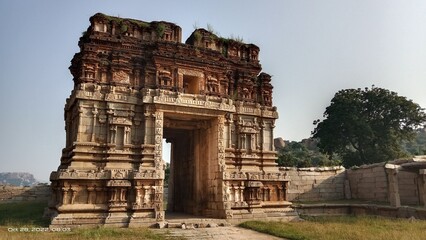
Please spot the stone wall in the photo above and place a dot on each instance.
(315, 184)
(372, 183)
(10, 193)
(366, 183)
(369, 183)
(408, 188)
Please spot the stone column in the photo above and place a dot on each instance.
(65, 195)
(158, 162)
(95, 113)
(91, 195)
(262, 126)
(112, 130)
(99, 195)
(80, 112)
(230, 123)
(127, 135)
(73, 194)
(392, 173)
(272, 148)
(138, 195)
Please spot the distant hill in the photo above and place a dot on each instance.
(17, 178)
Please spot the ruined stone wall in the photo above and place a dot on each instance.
(366, 183)
(408, 190)
(10, 193)
(369, 183)
(315, 184)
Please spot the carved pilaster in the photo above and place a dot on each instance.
(221, 142)
(112, 134)
(99, 195)
(158, 131)
(65, 195)
(80, 112)
(91, 195)
(392, 173)
(127, 134)
(95, 114)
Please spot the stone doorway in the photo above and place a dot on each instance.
(193, 163)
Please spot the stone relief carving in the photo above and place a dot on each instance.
(121, 77)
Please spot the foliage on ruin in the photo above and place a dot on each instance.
(120, 21)
(160, 29)
(368, 125)
(123, 28)
(197, 36)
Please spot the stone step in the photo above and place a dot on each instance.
(192, 224)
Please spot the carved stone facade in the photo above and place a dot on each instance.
(136, 84)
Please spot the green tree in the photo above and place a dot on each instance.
(418, 145)
(294, 154)
(367, 125)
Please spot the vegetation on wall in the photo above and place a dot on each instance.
(197, 36)
(119, 21)
(123, 28)
(160, 29)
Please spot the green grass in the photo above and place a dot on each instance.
(345, 227)
(25, 220)
(23, 213)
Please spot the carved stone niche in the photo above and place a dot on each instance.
(252, 193)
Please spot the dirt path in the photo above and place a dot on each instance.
(217, 233)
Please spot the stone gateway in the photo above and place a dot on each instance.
(136, 84)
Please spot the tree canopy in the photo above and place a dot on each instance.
(367, 125)
(418, 145)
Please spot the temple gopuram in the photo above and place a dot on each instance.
(135, 84)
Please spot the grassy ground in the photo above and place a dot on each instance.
(345, 227)
(24, 221)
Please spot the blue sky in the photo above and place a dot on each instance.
(311, 48)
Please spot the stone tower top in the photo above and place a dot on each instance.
(150, 55)
(231, 48)
(148, 31)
